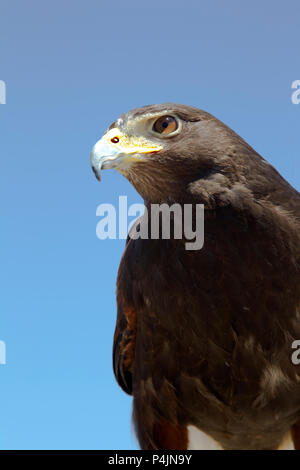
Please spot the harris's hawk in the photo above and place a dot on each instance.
(204, 337)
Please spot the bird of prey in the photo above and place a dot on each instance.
(203, 338)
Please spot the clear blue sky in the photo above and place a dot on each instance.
(71, 67)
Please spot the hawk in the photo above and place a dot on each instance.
(203, 338)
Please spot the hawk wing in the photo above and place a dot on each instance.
(125, 332)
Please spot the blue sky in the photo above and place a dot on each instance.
(70, 69)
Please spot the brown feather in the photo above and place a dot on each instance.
(204, 337)
(296, 435)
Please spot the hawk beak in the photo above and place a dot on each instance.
(104, 155)
(115, 149)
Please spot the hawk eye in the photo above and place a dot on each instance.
(165, 125)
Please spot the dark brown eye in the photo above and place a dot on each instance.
(115, 140)
(165, 125)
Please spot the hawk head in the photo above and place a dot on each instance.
(170, 152)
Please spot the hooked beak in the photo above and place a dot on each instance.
(116, 150)
(104, 155)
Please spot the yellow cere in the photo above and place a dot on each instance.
(130, 144)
